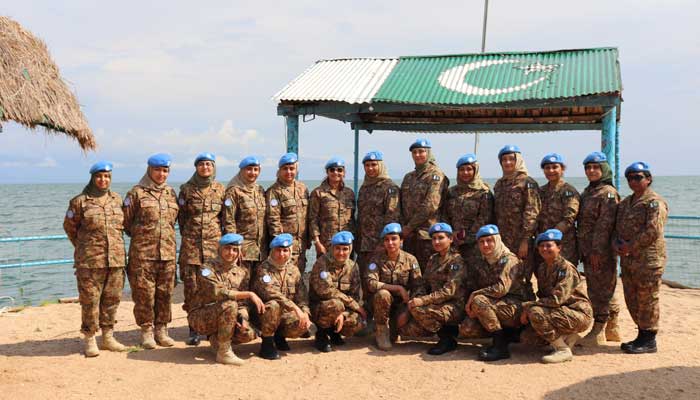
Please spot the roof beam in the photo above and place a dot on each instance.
(471, 128)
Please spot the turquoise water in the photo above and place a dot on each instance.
(38, 209)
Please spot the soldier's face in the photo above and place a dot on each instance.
(553, 172)
(230, 253)
(593, 172)
(420, 156)
(102, 180)
(392, 243)
(638, 182)
(281, 255)
(465, 173)
(372, 168)
(159, 174)
(205, 168)
(549, 250)
(341, 252)
(508, 162)
(335, 175)
(441, 242)
(251, 173)
(288, 172)
(487, 245)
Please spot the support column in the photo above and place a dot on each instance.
(292, 133)
(356, 166)
(617, 155)
(607, 139)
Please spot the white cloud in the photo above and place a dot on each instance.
(48, 162)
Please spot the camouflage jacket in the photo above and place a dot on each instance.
(215, 283)
(560, 206)
(641, 221)
(405, 272)
(596, 219)
(517, 204)
(421, 199)
(443, 280)
(377, 206)
(282, 284)
(287, 206)
(200, 222)
(331, 213)
(149, 218)
(468, 210)
(560, 285)
(328, 280)
(505, 277)
(244, 213)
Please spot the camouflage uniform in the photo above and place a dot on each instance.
(421, 198)
(287, 206)
(244, 214)
(96, 231)
(444, 303)
(405, 272)
(562, 307)
(467, 210)
(595, 225)
(560, 206)
(330, 213)
(280, 288)
(641, 222)
(214, 309)
(149, 218)
(335, 290)
(200, 228)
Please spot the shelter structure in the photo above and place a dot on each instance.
(32, 92)
(510, 92)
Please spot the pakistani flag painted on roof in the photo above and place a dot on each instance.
(461, 79)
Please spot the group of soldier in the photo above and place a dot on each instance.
(420, 259)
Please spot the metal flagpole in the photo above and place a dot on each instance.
(483, 49)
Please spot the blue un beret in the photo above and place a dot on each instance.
(595, 157)
(487, 230)
(204, 157)
(552, 158)
(392, 228)
(335, 162)
(638, 166)
(420, 143)
(440, 227)
(248, 161)
(288, 158)
(508, 149)
(231, 238)
(342, 237)
(282, 240)
(101, 166)
(466, 159)
(549, 235)
(374, 155)
(159, 160)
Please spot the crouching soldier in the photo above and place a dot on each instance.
(279, 284)
(219, 307)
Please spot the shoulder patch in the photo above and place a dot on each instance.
(70, 214)
(273, 203)
(568, 193)
(653, 204)
(127, 202)
(266, 278)
(611, 196)
(228, 202)
(206, 272)
(392, 190)
(323, 275)
(531, 185)
(372, 267)
(454, 267)
(415, 266)
(503, 260)
(562, 273)
(181, 201)
(436, 178)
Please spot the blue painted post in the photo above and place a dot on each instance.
(292, 133)
(357, 162)
(617, 155)
(607, 138)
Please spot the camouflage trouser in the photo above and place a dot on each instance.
(471, 328)
(551, 323)
(277, 318)
(224, 319)
(99, 292)
(188, 276)
(152, 284)
(601, 288)
(325, 313)
(433, 317)
(385, 306)
(641, 284)
(495, 314)
(422, 249)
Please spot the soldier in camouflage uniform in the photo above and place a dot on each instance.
(200, 216)
(94, 224)
(560, 204)
(287, 205)
(595, 225)
(393, 278)
(150, 212)
(562, 309)
(442, 308)
(331, 207)
(639, 241)
(219, 306)
(468, 206)
(334, 294)
(422, 193)
(497, 283)
(278, 283)
(377, 206)
(244, 212)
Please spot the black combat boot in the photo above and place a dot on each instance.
(322, 342)
(267, 349)
(336, 338)
(499, 349)
(645, 344)
(513, 334)
(281, 342)
(446, 343)
(625, 346)
(193, 339)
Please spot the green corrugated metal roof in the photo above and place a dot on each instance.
(502, 77)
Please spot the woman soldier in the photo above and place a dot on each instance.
(244, 212)
(560, 204)
(150, 212)
(331, 207)
(200, 219)
(422, 191)
(639, 241)
(469, 206)
(94, 224)
(595, 225)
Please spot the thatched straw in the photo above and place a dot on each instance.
(32, 92)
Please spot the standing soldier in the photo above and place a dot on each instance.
(278, 283)
(94, 224)
(150, 212)
(422, 191)
(200, 202)
(334, 294)
(595, 225)
(244, 212)
(287, 205)
(393, 278)
(219, 306)
(469, 206)
(331, 207)
(639, 241)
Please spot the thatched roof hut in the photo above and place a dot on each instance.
(32, 92)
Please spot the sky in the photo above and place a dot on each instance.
(184, 77)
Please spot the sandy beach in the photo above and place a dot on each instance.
(40, 357)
